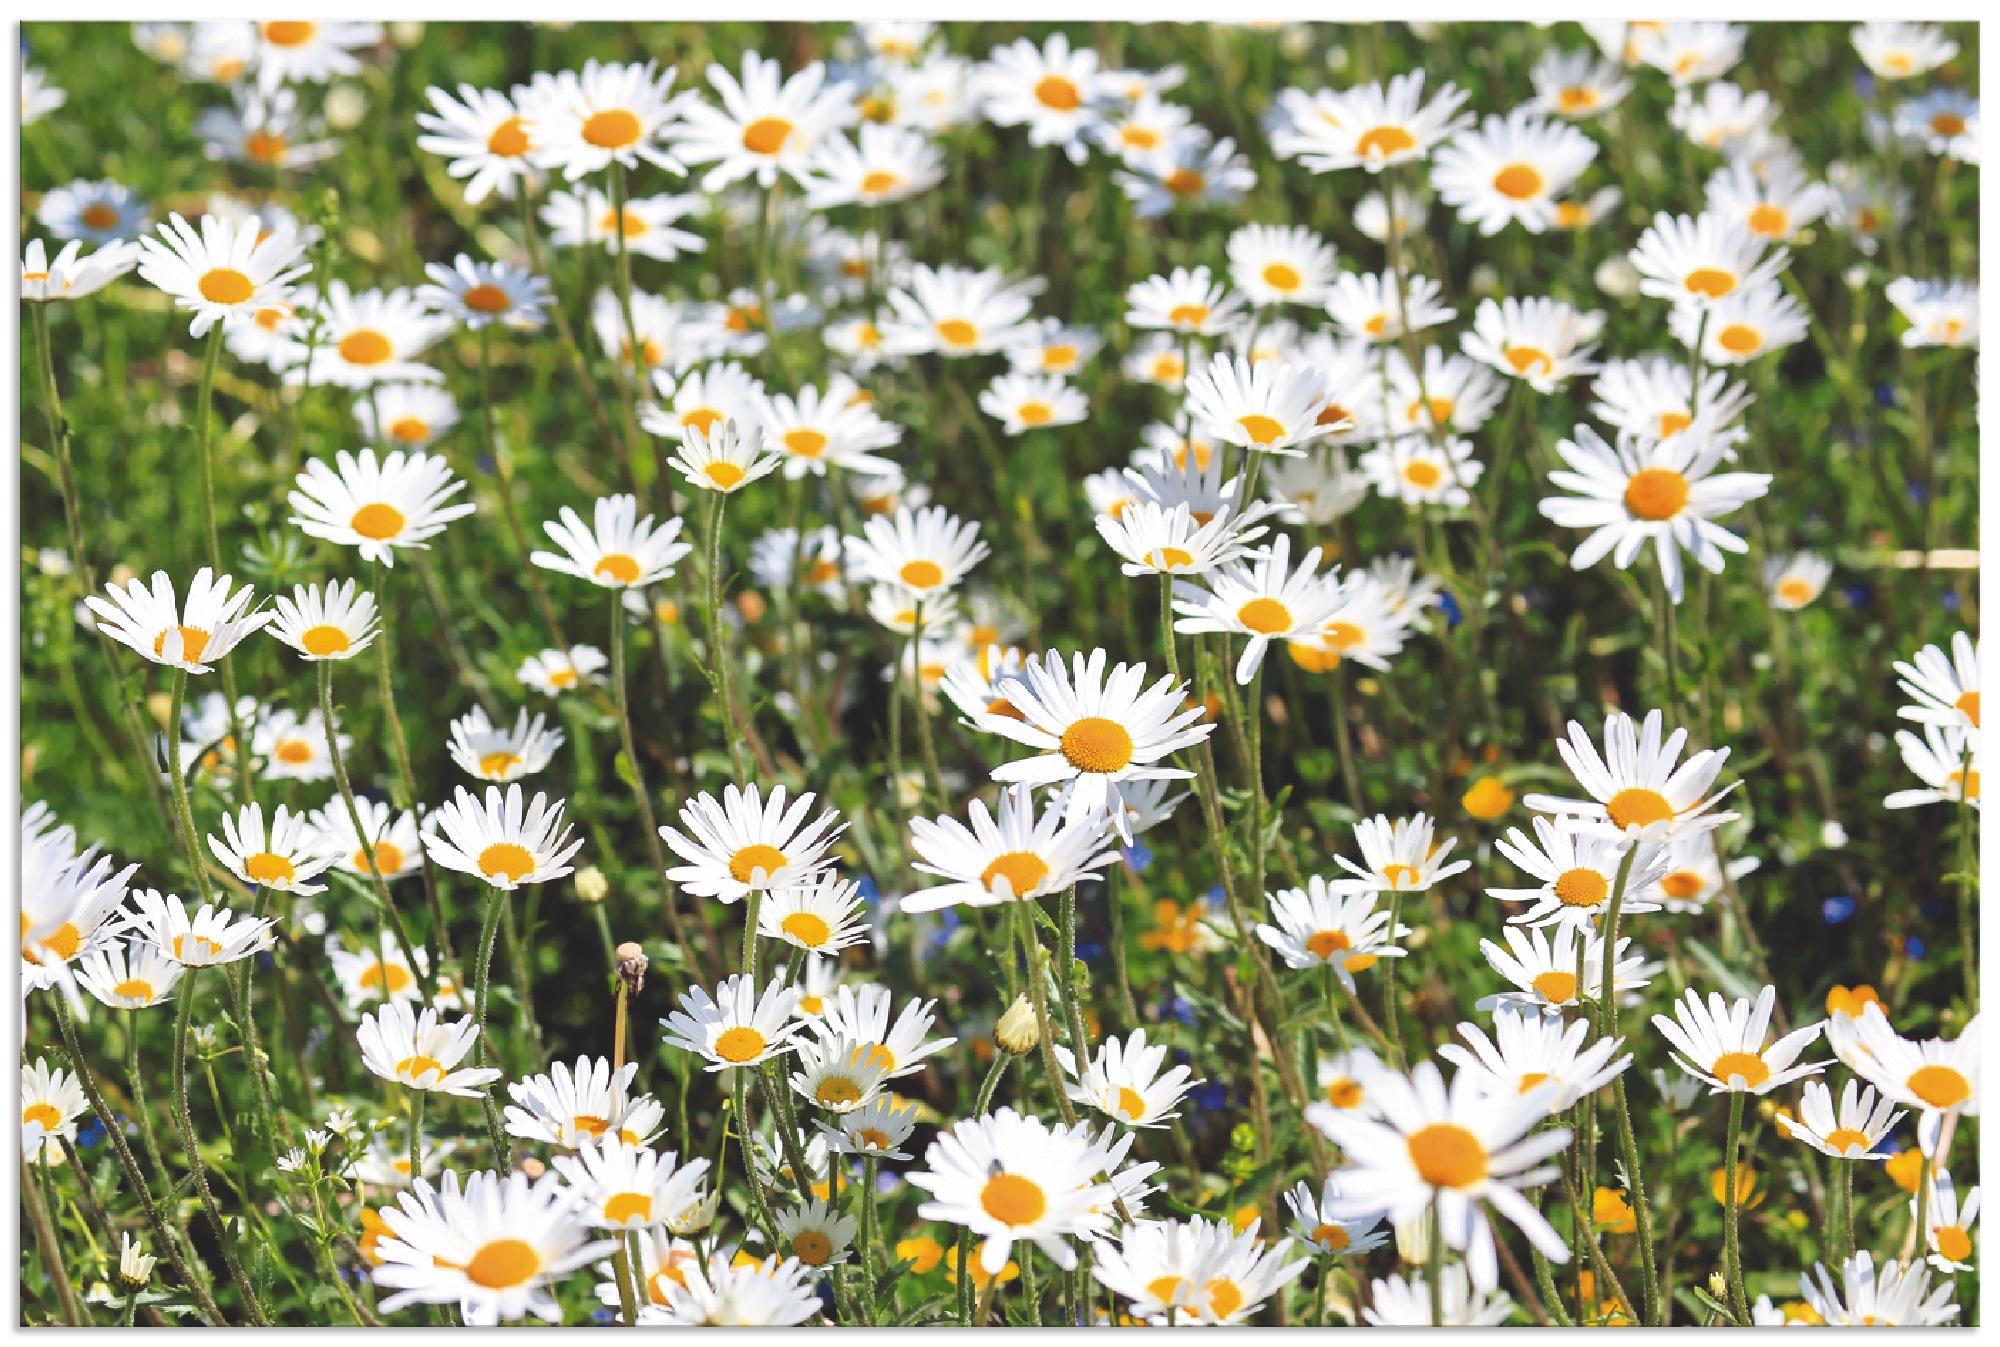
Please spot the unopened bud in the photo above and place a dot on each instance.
(591, 885)
(632, 967)
(161, 705)
(1413, 1239)
(1017, 1032)
(135, 1265)
(1717, 1286)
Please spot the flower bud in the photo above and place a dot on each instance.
(1017, 1032)
(591, 885)
(135, 1265)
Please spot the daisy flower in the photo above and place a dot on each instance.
(895, 607)
(972, 681)
(1264, 600)
(1053, 347)
(1653, 396)
(1417, 472)
(1722, 1043)
(1155, 540)
(1368, 307)
(411, 416)
(1666, 492)
(1343, 1079)
(1861, 1125)
(1938, 1076)
(1191, 173)
(1369, 624)
(720, 1294)
(1024, 402)
(1157, 359)
(861, 1015)
(1796, 580)
(1576, 85)
(370, 338)
(1943, 121)
(225, 273)
(746, 843)
(211, 937)
(1692, 53)
(264, 129)
(128, 975)
(554, 672)
(1278, 265)
(1269, 407)
(378, 972)
(1323, 1234)
(1051, 90)
(838, 428)
(1096, 731)
(581, 123)
(721, 395)
(1945, 692)
(1156, 1266)
(376, 505)
(70, 904)
(285, 858)
(1577, 872)
(924, 552)
(51, 1103)
(822, 916)
(1531, 1048)
(736, 1027)
(1511, 169)
(840, 1074)
(96, 212)
(1900, 51)
(1543, 972)
(1206, 1273)
(418, 1051)
(1726, 118)
(777, 561)
(1775, 205)
(1950, 1234)
(954, 311)
(493, 753)
(1866, 207)
(1940, 313)
(71, 277)
(1398, 1303)
(1900, 1298)
(295, 748)
(818, 979)
(622, 1187)
(764, 127)
(1455, 392)
(1124, 1082)
(1144, 130)
(479, 293)
(498, 841)
(1366, 126)
(207, 627)
(1448, 1152)
(484, 135)
(314, 52)
(1542, 342)
(1635, 787)
(875, 1130)
(1397, 857)
(1007, 1177)
(1939, 760)
(1743, 326)
(1399, 211)
(882, 164)
(618, 551)
(569, 1106)
(1351, 380)
(335, 623)
(724, 460)
(1187, 302)
(896, 41)
(1697, 263)
(387, 1165)
(815, 1234)
(495, 1247)
(670, 339)
(578, 219)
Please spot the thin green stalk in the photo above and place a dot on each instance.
(718, 657)
(636, 777)
(760, 1204)
(1038, 996)
(1336, 681)
(1968, 884)
(631, 381)
(488, 931)
(1437, 1262)
(51, 1250)
(1389, 1023)
(1847, 1208)
(189, 837)
(185, 1124)
(416, 1135)
(1167, 626)
(1732, 1255)
(750, 914)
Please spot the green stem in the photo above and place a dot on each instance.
(922, 714)
(1437, 1263)
(636, 778)
(51, 1250)
(185, 1125)
(1389, 1023)
(718, 657)
(1732, 1255)
(751, 906)
(488, 931)
(190, 839)
(1968, 884)
(1038, 996)
(416, 1135)
(1343, 740)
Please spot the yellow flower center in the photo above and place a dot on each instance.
(325, 640)
(1344, 1093)
(268, 867)
(1137, 137)
(1035, 413)
(410, 430)
(1264, 616)
(1846, 1138)
(1656, 493)
(627, 1207)
(745, 864)
(294, 751)
(741, 1044)
(1188, 315)
(1058, 358)
(1023, 871)
(1531, 1079)
(509, 139)
(1638, 807)
(612, 129)
(811, 1247)
(1528, 361)
(1939, 1086)
(1968, 705)
(1966, 782)
(1745, 1064)
(1094, 744)
(1682, 885)
(1281, 276)
(1795, 591)
(874, 1138)
(134, 989)
(767, 135)
(45, 1114)
(1262, 430)
(724, 474)
(1948, 124)
(193, 642)
(1058, 92)
(1186, 182)
(1398, 874)
(805, 443)
(880, 182)
(1555, 987)
(1167, 558)
(486, 298)
(1422, 475)
(366, 346)
(837, 1090)
(375, 974)
(1575, 99)
(806, 928)
(504, 1263)
(618, 567)
(289, 33)
(1376, 325)
(1013, 1200)
(1385, 141)
(98, 215)
(1361, 963)
(1709, 282)
(1165, 1289)
(1769, 221)
(1325, 944)
(1129, 1103)
(377, 522)
(1572, 215)
(1953, 1242)
(225, 285)
(702, 419)
(1330, 1237)
(1447, 1156)
(1225, 1297)
(1740, 339)
(506, 859)
(958, 333)
(1518, 182)
(497, 765)
(419, 1066)
(1580, 888)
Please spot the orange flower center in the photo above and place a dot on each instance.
(1262, 430)
(1939, 1086)
(1058, 92)
(1953, 1242)
(811, 1247)
(1740, 339)
(504, 1263)
(1576, 98)
(613, 129)
(410, 430)
(1710, 282)
(266, 147)
(267, 867)
(325, 640)
(1188, 315)
(225, 285)
(767, 135)
(805, 443)
(1023, 871)
(1489, 798)
(956, 332)
(1745, 1064)
(193, 642)
(1846, 1138)
(740, 1044)
(294, 751)
(1094, 744)
(1682, 885)
(1385, 141)
(1555, 987)
(1656, 493)
(1948, 124)
(508, 859)
(1280, 276)
(1638, 807)
(487, 299)
(1265, 616)
(376, 521)
(724, 474)
(1968, 703)
(1528, 361)
(418, 1067)
(1447, 1156)
(497, 765)
(921, 574)
(1013, 1200)
(1344, 1093)
(98, 215)
(1186, 182)
(880, 182)
(289, 33)
(627, 1207)
(744, 865)
(616, 566)
(1518, 182)
(1131, 1104)
(366, 346)
(509, 139)
(807, 928)
(1769, 221)
(134, 989)
(1580, 888)
(1325, 944)
(1422, 475)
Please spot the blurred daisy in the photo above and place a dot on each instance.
(571, 1105)
(579, 219)
(875, 1130)
(747, 842)
(128, 975)
(882, 164)
(1366, 126)
(1155, 540)
(1945, 692)
(1939, 1076)
(1726, 118)
(584, 122)
(1742, 327)
(1940, 313)
(1511, 170)
(1051, 90)
(1322, 1234)
(1317, 487)
(954, 311)
(1939, 760)
(1665, 492)
(1533, 1048)
(1901, 1297)
(370, 338)
(335, 623)
(96, 212)
(619, 1186)
(777, 561)
(1796, 580)
(479, 293)
(1582, 212)
(838, 428)
(1157, 359)
(822, 916)
(617, 551)
(38, 97)
(764, 127)
(1343, 1079)
(1943, 121)
(377, 972)
(554, 672)
(263, 129)
(1190, 174)
(1577, 872)
(1775, 206)
(1366, 626)
(1053, 347)
(703, 399)
(386, 1165)
(1397, 857)
(1278, 265)
(1124, 1082)
(1394, 1302)
(1399, 211)
(1143, 131)
(1263, 599)
(495, 753)
(720, 1293)
(1014, 855)
(499, 841)
(226, 272)
(1319, 926)
(1949, 1235)
(1186, 302)
(293, 747)
(725, 459)
(861, 1014)
(1007, 1177)
(1455, 392)
(1417, 472)
(69, 276)
(1370, 307)
(313, 52)
(1024, 402)
(737, 1027)
(484, 135)
(1723, 1043)
(1270, 407)
(1692, 53)
(1576, 85)
(51, 1103)
(1692, 879)
(1542, 342)
(1698, 263)
(495, 1247)
(286, 858)
(1653, 396)
(210, 937)
(1861, 1125)
(207, 627)
(1899, 51)
(408, 416)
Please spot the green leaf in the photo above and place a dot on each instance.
(1732, 981)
